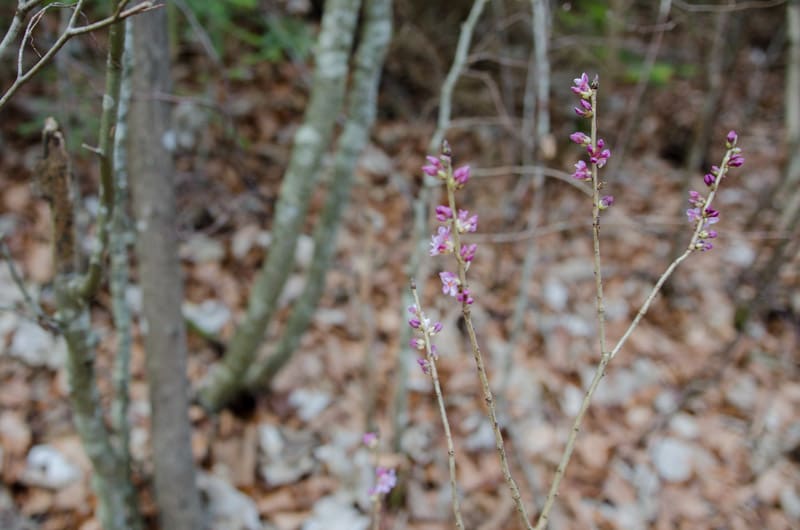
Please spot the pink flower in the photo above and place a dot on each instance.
(450, 283)
(598, 155)
(693, 214)
(463, 296)
(417, 343)
(468, 252)
(443, 213)
(370, 439)
(580, 138)
(585, 110)
(461, 175)
(465, 222)
(386, 480)
(695, 199)
(709, 179)
(605, 202)
(441, 242)
(731, 139)
(434, 166)
(736, 160)
(582, 171)
(582, 87)
(425, 365)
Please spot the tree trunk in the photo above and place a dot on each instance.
(151, 175)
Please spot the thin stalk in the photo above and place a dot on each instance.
(423, 204)
(598, 277)
(451, 453)
(69, 33)
(607, 356)
(478, 356)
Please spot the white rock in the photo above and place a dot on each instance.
(556, 295)
(309, 403)
(571, 400)
(684, 425)
(481, 435)
(228, 508)
(286, 455)
(739, 253)
(743, 393)
(790, 502)
(210, 315)
(673, 459)
(36, 347)
(46, 467)
(336, 512)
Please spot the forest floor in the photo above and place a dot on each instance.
(695, 426)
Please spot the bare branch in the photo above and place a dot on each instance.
(71, 31)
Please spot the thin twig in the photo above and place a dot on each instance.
(451, 453)
(40, 316)
(70, 32)
(607, 356)
(478, 356)
(415, 265)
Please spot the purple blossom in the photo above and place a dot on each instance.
(425, 365)
(695, 199)
(441, 243)
(386, 479)
(443, 213)
(417, 343)
(414, 323)
(598, 155)
(461, 175)
(580, 138)
(434, 166)
(468, 252)
(606, 201)
(693, 214)
(450, 283)
(466, 222)
(437, 327)
(736, 160)
(709, 179)
(582, 87)
(731, 139)
(582, 171)
(585, 110)
(463, 296)
(370, 439)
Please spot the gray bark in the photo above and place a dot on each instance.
(361, 102)
(151, 174)
(310, 143)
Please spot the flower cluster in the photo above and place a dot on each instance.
(385, 480)
(699, 213)
(425, 331)
(454, 221)
(598, 153)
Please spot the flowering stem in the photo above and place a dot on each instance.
(451, 453)
(598, 278)
(476, 353)
(607, 356)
